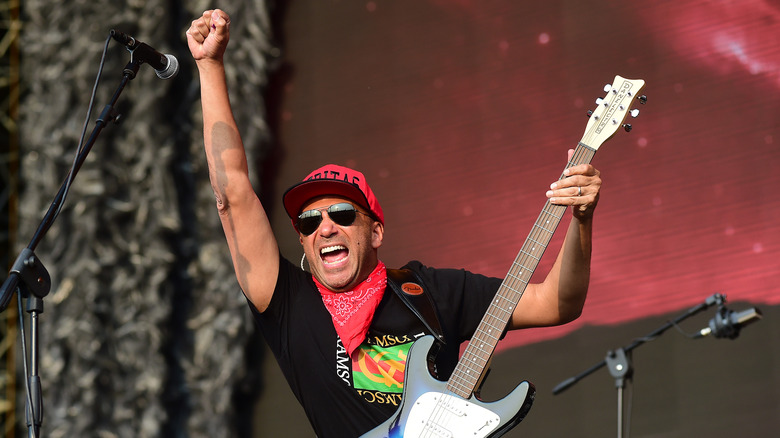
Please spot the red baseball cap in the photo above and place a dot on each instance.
(333, 180)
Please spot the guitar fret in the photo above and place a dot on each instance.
(535, 243)
(541, 239)
(544, 229)
(529, 254)
(511, 302)
(506, 312)
(530, 239)
(491, 327)
(506, 300)
(467, 373)
(519, 292)
(503, 310)
(490, 335)
(553, 211)
(479, 362)
(524, 260)
(550, 216)
(513, 276)
(533, 252)
(500, 313)
(461, 389)
(479, 347)
(548, 220)
(470, 370)
(525, 269)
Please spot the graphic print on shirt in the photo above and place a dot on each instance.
(378, 368)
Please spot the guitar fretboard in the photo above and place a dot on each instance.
(470, 368)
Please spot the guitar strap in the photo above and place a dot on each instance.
(409, 287)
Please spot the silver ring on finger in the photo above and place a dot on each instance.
(579, 191)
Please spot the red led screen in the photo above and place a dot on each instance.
(460, 114)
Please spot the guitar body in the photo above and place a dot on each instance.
(429, 409)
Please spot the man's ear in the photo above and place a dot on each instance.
(377, 234)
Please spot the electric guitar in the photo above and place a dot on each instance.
(433, 408)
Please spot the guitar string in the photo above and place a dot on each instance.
(514, 284)
(512, 279)
(540, 237)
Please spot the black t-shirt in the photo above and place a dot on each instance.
(345, 397)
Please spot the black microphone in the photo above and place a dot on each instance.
(166, 66)
(727, 323)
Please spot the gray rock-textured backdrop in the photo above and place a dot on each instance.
(145, 331)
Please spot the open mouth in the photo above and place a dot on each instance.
(334, 254)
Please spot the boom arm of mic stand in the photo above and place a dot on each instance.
(709, 302)
(14, 277)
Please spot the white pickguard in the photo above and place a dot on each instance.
(441, 415)
(430, 409)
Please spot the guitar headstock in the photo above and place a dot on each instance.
(612, 110)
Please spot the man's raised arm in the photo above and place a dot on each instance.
(253, 247)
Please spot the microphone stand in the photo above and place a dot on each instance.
(619, 361)
(30, 278)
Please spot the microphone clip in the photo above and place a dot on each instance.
(728, 323)
(721, 326)
(165, 66)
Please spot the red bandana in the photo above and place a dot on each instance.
(353, 311)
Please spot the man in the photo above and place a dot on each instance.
(340, 334)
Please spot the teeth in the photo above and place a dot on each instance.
(331, 249)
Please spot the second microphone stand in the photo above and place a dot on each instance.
(619, 361)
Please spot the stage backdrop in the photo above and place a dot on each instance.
(460, 114)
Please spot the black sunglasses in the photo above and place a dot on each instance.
(342, 214)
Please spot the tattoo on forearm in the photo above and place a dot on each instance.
(225, 138)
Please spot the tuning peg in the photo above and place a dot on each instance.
(589, 113)
(642, 99)
(634, 113)
(607, 88)
(627, 127)
(599, 101)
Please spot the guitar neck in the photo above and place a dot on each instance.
(470, 369)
